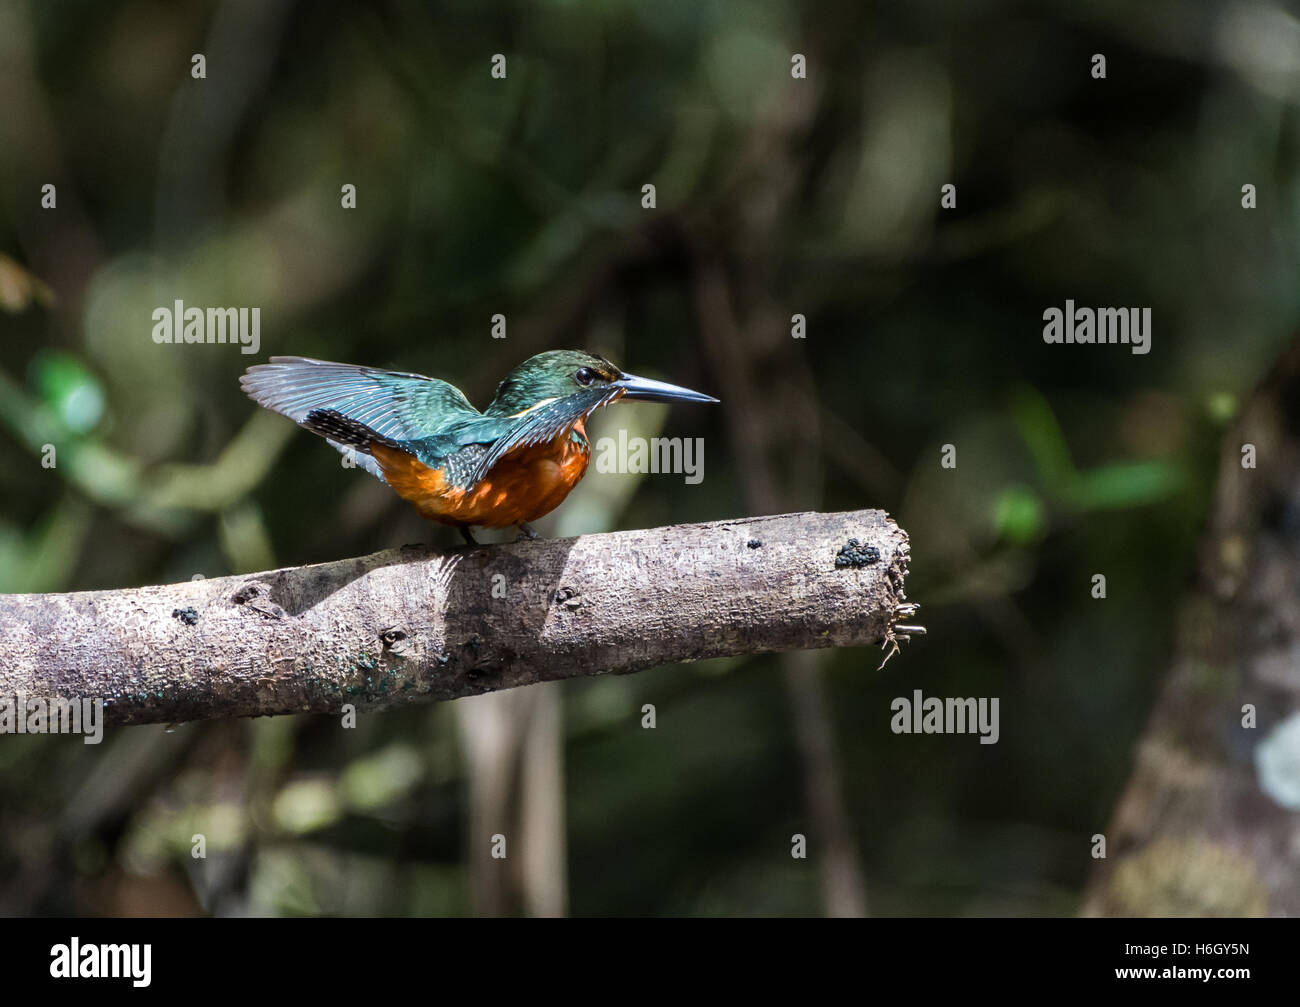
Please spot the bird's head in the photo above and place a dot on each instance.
(586, 379)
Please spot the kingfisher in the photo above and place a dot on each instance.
(508, 465)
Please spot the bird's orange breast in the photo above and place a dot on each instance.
(523, 486)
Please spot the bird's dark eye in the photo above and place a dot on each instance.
(584, 376)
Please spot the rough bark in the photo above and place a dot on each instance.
(414, 624)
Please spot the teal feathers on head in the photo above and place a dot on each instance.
(551, 375)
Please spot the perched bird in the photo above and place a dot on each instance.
(508, 465)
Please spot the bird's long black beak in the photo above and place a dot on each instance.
(649, 390)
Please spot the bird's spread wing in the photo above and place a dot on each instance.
(350, 405)
(396, 406)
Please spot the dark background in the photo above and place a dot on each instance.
(522, 196)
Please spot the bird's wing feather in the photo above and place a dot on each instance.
(395, 405)
(459, 447)
(350, 405)
(542, 424)
(467, 449)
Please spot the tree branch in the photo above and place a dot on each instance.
(416, 625)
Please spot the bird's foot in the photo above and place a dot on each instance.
(467, 536)
(525, 532)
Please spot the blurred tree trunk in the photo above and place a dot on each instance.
(777, 444)
(513, 743)
(1208, 823)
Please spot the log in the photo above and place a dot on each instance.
(418, 625)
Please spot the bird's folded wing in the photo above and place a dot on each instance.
(467, 449)
(542, 424)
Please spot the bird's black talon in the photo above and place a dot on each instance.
(467, 536)
(525, 531)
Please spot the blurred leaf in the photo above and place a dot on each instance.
(379, 779)
(68, 387)
(1126, 484)
(1222, 406)
(244, 538)
(1043, 436)
(1018, 515)
(307, 805)
(20, 288)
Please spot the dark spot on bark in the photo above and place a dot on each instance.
(252, 594)
(246, 592)
(755, 543)
(186, 615)
(855, 555)
(568, 597)
(392, 635)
